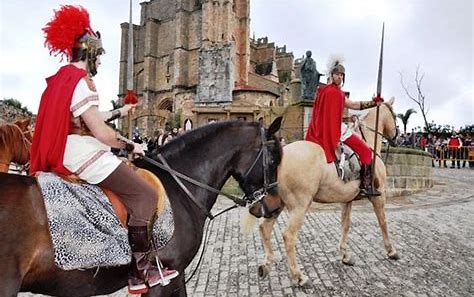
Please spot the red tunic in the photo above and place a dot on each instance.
(52, 123)
(325, 126)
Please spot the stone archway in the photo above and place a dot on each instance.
(166, 104)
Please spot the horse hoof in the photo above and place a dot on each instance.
(303, 281)
(348, 261)
(393, 255)
(263, 271)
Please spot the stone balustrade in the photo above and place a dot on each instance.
(408, 171)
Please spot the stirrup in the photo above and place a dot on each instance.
(166, 275)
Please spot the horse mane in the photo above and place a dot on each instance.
(388, 106)
(199, 135)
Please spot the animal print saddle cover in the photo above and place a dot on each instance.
(347, 163)
(85, 231)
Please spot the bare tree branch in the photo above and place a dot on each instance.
(420, 98)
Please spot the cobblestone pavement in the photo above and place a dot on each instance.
(433, 231)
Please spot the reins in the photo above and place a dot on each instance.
(381, 134)
(178, 177)
(389, 141)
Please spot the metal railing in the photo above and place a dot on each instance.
(456, 157)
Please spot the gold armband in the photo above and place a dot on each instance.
(367, 104)
(115, 115)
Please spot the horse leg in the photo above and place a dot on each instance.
(181, 290)
(11, 280)
(346, 214)
(291, 232)
(379, 207)
(266, 228)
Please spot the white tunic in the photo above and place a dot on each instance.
(86, 156)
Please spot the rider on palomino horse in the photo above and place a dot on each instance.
(326, 125)
(71, 137)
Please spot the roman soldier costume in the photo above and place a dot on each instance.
(327, 130)
(63, 144)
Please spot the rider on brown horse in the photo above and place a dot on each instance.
(326, 127)
(71, 137)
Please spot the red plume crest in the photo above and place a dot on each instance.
(62, 32)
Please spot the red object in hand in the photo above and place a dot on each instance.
(377, 99)
(131, 98)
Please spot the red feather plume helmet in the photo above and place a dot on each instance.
(69, 34)
(68, 25)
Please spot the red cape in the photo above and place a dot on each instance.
(53, 120)
(325, 126)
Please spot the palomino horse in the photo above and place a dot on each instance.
(304, 176)
(210, 155)
(15, 142)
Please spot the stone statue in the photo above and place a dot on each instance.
(309, 77)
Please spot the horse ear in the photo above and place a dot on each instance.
(275, 125)
(391, 101)
(23, 124)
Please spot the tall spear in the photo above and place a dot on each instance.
(131, 97)
(378, 99)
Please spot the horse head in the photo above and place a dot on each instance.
(14, 146)
(24, 125)
(389, 121)
(256, 172)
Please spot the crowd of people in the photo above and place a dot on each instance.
(151, 144)
(454, 148)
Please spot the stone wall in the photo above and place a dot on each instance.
(216, 75)
(408, 171)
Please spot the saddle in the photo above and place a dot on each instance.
(347, 163)
(87, 230)
(114, 199)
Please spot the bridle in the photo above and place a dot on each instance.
(244, 201)
(391, 141)
(263, 191)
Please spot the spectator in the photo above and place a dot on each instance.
(454, 146)
(467, 147)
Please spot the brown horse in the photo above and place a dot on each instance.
(304, 176)
(15, 142)
(210, 155)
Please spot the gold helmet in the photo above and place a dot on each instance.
(335, 66)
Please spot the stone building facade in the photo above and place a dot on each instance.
(194, 62)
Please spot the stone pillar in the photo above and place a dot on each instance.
(149, 59)
(295, 90)
(123, 60)
(206, 22)
(242, 42)
(227, 21)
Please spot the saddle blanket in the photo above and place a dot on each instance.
(85, 231)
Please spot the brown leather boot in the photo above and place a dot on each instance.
(366, 186)
(144, 274)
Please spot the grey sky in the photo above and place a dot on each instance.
(435, 34)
